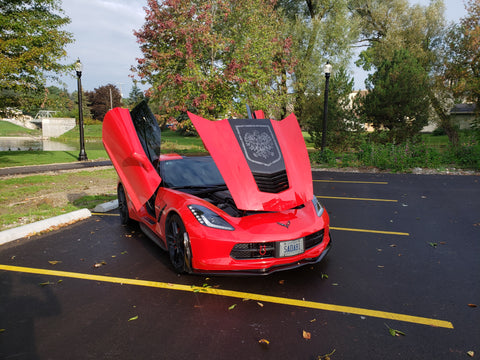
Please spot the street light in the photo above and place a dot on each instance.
(78, 68)
(327, 69)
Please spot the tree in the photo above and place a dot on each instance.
(389, 25)
(462, 68)
(31, 43)
(136, 95)
(103, 99)
(212, 57)
(342, 122)
(321, 30)
(397, 97)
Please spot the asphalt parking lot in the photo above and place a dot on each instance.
(404, 262)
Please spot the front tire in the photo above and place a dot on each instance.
(178, 243)
(122, 205)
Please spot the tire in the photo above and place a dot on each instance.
(178, 244)
(123, 206)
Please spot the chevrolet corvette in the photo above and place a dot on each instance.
(246, 208)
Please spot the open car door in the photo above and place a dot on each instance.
(134, 149)
(264, 162)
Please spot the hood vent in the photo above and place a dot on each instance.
(272, 183)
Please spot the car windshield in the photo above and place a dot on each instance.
(191, 172)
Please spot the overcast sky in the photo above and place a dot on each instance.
(105, 44)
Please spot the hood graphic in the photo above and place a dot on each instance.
(264, 162)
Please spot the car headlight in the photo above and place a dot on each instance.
(209, 218)
(318, 206)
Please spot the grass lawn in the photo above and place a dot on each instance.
(35, 197)
(9, 129)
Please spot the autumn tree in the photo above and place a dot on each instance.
(32, 44)
(102, 99)
(212, 57)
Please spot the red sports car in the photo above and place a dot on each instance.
(248, 208)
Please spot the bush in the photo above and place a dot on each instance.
(401, 157)
(467, 155)
(326, 157)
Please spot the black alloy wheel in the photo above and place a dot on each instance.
(178, 244)
(122, 205)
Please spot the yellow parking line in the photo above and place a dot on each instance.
(105, 214)
(236, 294)
(354, 182)
(371, 231)
(354, 198)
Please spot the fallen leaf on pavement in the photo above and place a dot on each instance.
(232, 307)
(307, 335)
(470, 353)
(54, 262)
(133, 318)
(263, 341)
(394, 332)
(326, 356)
(472, 305)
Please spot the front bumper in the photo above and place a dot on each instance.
(273, 268)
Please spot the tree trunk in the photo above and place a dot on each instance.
(445, 122)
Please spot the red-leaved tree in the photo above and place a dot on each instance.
(212, 57)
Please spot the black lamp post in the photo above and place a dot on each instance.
(327, 70)
(78, 68)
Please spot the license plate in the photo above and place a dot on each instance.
(291, 248)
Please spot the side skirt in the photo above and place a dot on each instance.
(152, 236)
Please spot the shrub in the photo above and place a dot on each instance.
(400, 157)
(326, 157)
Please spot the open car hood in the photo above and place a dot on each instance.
(264, 162)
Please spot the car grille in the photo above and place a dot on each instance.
(253, 251)
(272, 183)
(265, 250)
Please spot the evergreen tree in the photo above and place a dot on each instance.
(398, 97)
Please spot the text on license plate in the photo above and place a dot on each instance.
(291, 247)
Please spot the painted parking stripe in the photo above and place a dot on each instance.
(105, 214)
(353, 198)
(370, 231)
(353, 182)
(236, 294)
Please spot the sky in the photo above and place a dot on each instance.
(107, 47)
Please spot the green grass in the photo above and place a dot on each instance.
(35, 197)
(91, 132)
(25, 158)
(90, 201)
(9, 129)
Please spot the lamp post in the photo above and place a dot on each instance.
(78, 68)
(327, 70)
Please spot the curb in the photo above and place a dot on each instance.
(106, 207)
(42, 225)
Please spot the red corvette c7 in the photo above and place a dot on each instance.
(248, 208)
